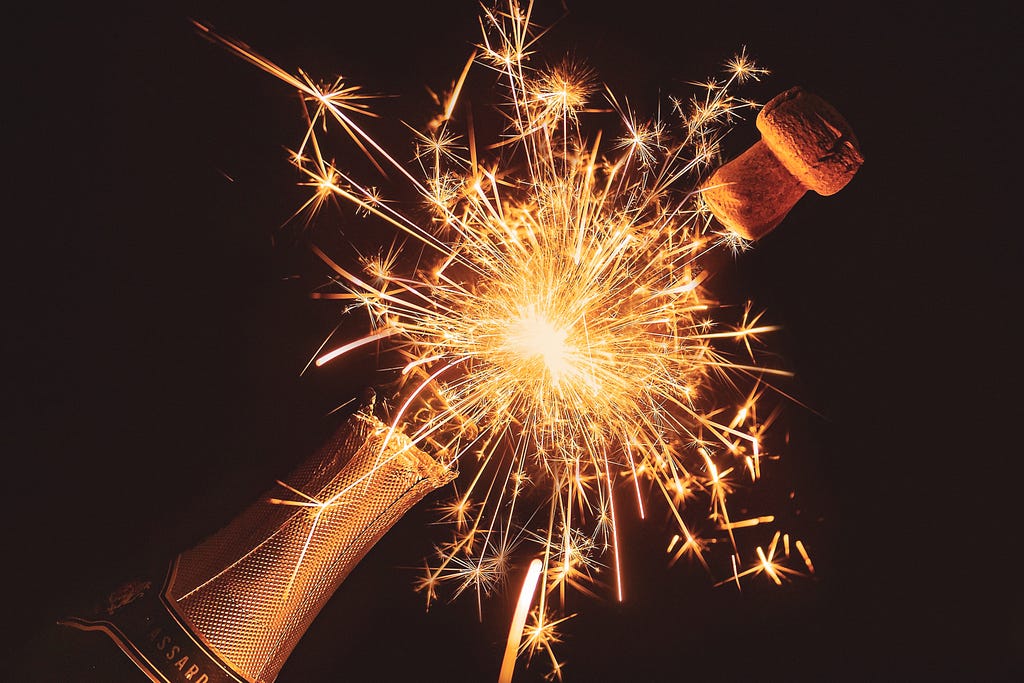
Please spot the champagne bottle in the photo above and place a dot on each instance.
(232, 608)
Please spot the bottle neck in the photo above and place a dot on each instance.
(236, 605)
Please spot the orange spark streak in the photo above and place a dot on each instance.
(615, 533)
(328, 357)
(807, 558)
(566, 276)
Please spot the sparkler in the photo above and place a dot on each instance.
(557, 336)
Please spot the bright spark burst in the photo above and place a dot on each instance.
(558, 338)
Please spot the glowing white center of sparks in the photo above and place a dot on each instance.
(534, 336)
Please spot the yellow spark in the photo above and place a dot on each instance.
(768, 566)
(693, 546)
(458, 512)
(748, 522)
(807, 558)
(557, 329)
(543, 634)
(743, 68)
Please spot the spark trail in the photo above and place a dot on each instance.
(559, 343)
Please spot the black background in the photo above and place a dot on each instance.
(156, 321)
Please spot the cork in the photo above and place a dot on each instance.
(805, 145)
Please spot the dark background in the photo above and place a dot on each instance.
(156, 320)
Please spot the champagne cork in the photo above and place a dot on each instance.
(805, 145)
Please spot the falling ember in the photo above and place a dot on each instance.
(558, 339)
